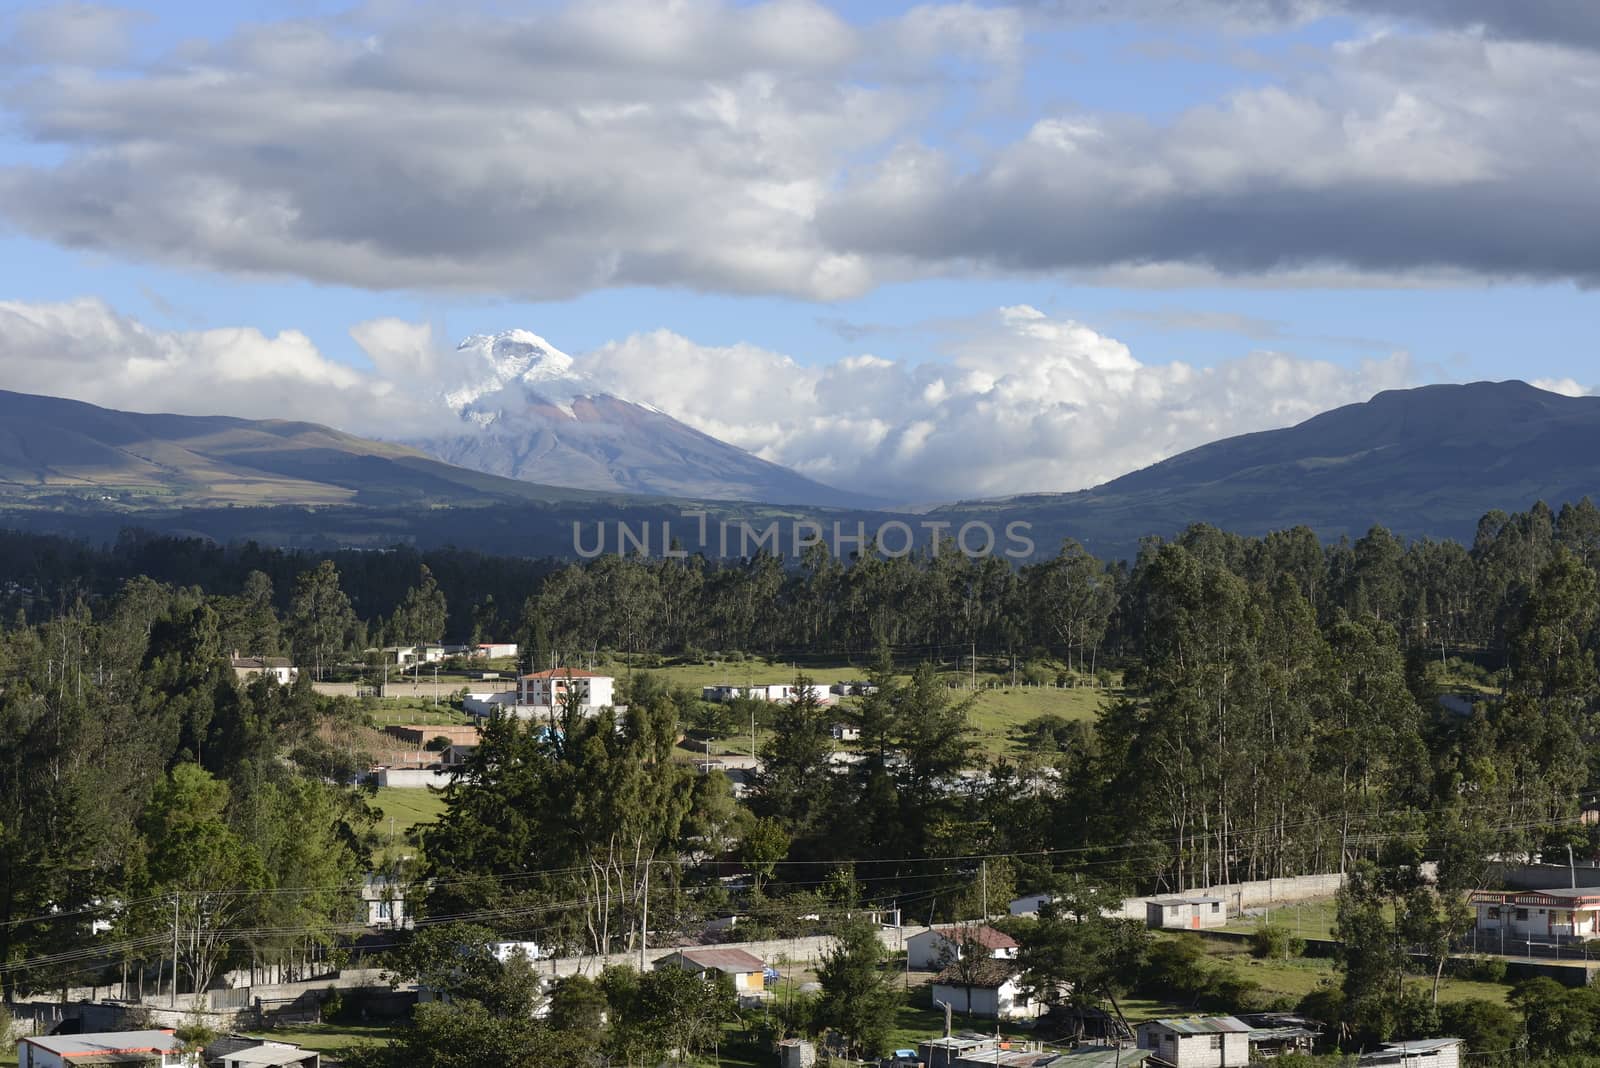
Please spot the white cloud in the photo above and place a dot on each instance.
(84, 350)
(1023, 401)
(622, 142)
(778, 148)
(1446, 156)
(1567, 387)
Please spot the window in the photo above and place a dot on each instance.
(1522, 914)
(1494, 912)
(1216, 1041)
(1216, 906)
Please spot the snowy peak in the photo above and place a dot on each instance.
(529, 411)
(512, 369)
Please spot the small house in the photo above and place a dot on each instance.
(938, 946)
(1417, 1053)
(157, 1049)
(1538, 915)
(845, 732)
(383, 902)
(747, 971)
(986, 988)
(271, 1055)
(277, 668)
(1030, 904)
(1197, 1041)
(495, 650)
(796, 1053)
(1185, 913)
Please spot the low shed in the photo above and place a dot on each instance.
(1185, 913)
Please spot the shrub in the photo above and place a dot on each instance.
(332, 1004)
(1275, 941)
(1480, 969)
(1037, 674)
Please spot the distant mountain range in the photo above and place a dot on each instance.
(1428, 461)
(528, 413)
(54, 448)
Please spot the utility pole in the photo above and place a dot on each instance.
(974, 667)
(752, 731)
(983, 866)
(174, 950)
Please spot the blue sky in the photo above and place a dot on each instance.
(1359, 194)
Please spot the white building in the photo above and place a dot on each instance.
(987, 988)
(845, 732)
(383, 902)
(276, 667)
(1418, 1053)
(939, 946)
(775, 692)
(1538, 915)
(1185, 913)
(272, 1055)
(495, 650)
(747, 971)
(549, 688)
(412, 778)
(1030, 904)
(158, 1049)
(1198, 1041)
(504, 951)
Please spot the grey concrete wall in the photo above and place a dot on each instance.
(1240, 896)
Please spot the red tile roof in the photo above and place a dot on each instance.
(987, 937)
(987, 973)
(723, 960)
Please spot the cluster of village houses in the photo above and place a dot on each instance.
(985, 988)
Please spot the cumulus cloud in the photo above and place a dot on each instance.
(1559, 21)
(71, 33)
(1025, 402)
(85, 350)
(778, 148)
(621, 142)
(1021, 401)
(1450, 153)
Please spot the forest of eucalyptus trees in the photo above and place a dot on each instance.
(1267, 707)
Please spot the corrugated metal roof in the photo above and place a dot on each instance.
(1205, 1025)
(107, 1043)
(1104, 1057)
(1187, 900)
(1421, 1045)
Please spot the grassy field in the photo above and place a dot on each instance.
(1298, 977)
(995, 712)
(327, 1039)
(407, 808)
(1305, 919)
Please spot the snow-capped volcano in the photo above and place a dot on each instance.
(528, 411)
(513, 359)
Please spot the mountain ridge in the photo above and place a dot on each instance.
(1426, 461)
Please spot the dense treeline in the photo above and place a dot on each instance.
(1273, 711)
